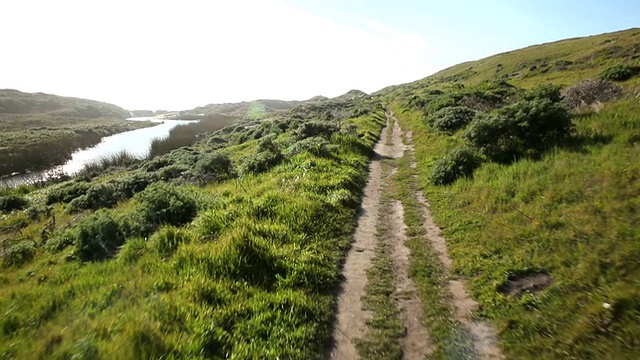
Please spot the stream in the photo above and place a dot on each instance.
(136, 142)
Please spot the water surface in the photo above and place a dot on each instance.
(136, 142)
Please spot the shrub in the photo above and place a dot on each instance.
(260, 162)
(315, 128)
(458, 163)
(9, 203)
(60, 240)
(215, 167)
(67, 192)
(267, 156)
(524, 128)
(98, 236)
(315, 145)
(618, 72)
(130, 185)
(171, 172)
(36, 212)
(19, 253)
(163, 203)
(547, 91)
(589, 92)
(451, 119)
(103, 195)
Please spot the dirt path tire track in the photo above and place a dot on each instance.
(351, 319)
(416, 344)
(483, 336)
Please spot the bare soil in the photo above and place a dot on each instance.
(530, 283)
(350, 317)
(416, 344)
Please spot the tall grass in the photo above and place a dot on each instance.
(121, 158)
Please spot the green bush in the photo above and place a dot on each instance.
(9, 203)
(215, 167)
(451, 119)
(164, 203)
(130, 185)
(546, 91)
(618, 72)
(67, 191)
(19, 253)
(36, 212)
(315, 145)
(315, 128)
(103, 195)
(458, 163)
(525, 128)
(60, 240)
(267, 156)
(172, 172)
(98, 236)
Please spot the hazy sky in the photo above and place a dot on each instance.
(181, 54)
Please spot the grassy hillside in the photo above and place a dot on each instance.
(39, 130)
(230, 247)
(537, 193)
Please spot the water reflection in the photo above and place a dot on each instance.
(136, 142)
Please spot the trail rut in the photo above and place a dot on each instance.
(350, 323)
(350, 317)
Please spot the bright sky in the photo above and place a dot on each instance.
(181, 54)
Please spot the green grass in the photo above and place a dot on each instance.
(570, 214)
(251, 276)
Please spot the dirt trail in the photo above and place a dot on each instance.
(350, 322)
(483, 335)
(416, 344)
(350, 317)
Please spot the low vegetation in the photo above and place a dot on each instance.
(228, 247)
(539, 187)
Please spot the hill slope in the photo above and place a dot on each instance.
(536, 186)
(14, 102)
(232, 247)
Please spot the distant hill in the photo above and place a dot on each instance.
(260, 108)
(14, 102)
